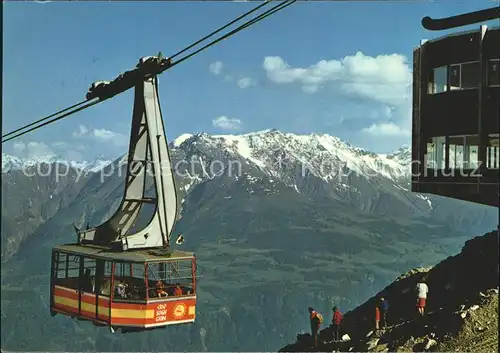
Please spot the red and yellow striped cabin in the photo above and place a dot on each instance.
(136, 290)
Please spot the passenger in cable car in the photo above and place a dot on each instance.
(160, 289)
(178, 289)
(86, 281)
(121, 289)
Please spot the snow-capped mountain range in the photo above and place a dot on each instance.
(323, 155)
(269, 150)
(315, 169)
(10, 162)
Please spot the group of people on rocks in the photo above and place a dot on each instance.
(317, 319)
(381, 313)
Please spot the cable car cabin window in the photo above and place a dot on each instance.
(66, 270)
(493, 72)
(493, 152)
(129, 282)
(88, 283)
(75, 272)
(103, 278)
(172, 278)
(437, 80)
(435, 157)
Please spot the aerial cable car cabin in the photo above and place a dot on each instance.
(115, 275)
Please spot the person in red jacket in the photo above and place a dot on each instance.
(177, 290)
(336, 320)
(377, 317)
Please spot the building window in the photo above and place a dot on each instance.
(463, 152)
(493, 152)
(456, 148)
(454, 72)
(470, 75)
(437, 81)
(471, 152)
(464, 76)
(436, 147)
(493, 72)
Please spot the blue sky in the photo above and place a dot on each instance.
(323, 67)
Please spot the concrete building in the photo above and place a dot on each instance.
(456, 104)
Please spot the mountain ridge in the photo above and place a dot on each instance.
(316, 166)
(14, 162)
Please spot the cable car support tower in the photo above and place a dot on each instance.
(148, 154)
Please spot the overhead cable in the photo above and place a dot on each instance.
(67, 112)
(45, 118)
(52, 120)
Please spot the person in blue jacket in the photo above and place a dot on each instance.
(384, 308)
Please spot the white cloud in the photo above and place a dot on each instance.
(216, 68)
(383, 83)
(310, 89)
(223, 122)
(37, 150)
(384, 78)
(246, 82)
(62, 146)
(115, 138)
(386, 129)
(82, 130)
(19, 147)
(73, 155)
(102, 135)
(34, 148)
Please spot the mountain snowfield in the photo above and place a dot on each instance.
(10, 162)
(283, 156)
(324, 155)
(268, 149)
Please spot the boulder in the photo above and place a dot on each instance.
(346, 338)
(372, 344)
(381, 348)
(429, 342)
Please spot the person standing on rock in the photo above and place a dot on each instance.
(336, 320)
(422, 291)
(316, 320)
(377, 317)
(384, 308)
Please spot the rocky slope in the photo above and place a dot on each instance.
(462, 309)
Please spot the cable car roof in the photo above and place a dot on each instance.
(139, 256)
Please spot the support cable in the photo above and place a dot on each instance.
(73, 109)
